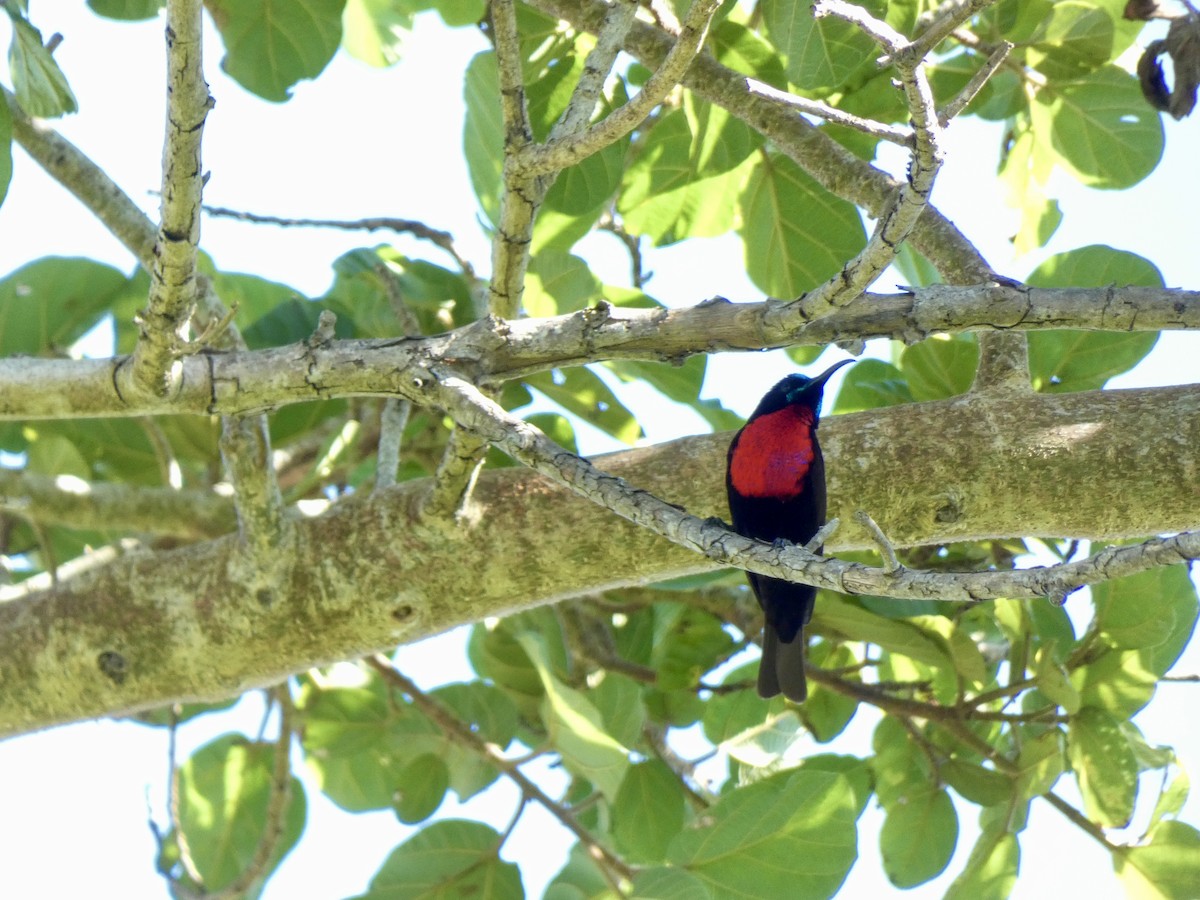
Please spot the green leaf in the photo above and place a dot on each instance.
(687, 175)
(579, 879)
(936, 369)
(374, 31)
(1167, 868)
(1053, 680)
(855, 623)
(270, 45)
(1099, 128)
(821, 53)
(1062, 361)
(787, 252)
(558, 283)
(790, 835)
(1040, 764)
(483, 131)
(901, 770)
(918, 838)
(1120, 682)
(737, 47)
(826, 713)
(1140, 610)
(6, 160)
(1075, 38)
(580, 392)
(448, 860)
(618, 700)
(665, 883)
(647, 812)
(688, 643)
(985, 787)
(127, 10)
(730, 714)
(420, 788)
(1104, 766)
(872, 384)
(48, 304)
(575, 728)
(488, 711)
(991, 870)
(460, 13)
(54, 455)
(39, 84)
(224, 790)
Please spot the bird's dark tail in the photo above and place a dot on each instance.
(781, 669)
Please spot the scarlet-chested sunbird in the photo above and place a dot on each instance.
(776, 484)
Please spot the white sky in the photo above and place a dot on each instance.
(361, 142)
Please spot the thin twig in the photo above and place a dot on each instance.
(890, 563)
(1083, 822)
(441, 239)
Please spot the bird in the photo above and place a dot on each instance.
(775, 482)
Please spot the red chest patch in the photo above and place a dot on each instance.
(774, 453)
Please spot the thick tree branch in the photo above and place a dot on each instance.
(184, 625)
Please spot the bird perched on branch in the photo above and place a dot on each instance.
(775, 480)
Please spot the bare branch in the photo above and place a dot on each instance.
(489, 351)
(102, 506)
(173, 291)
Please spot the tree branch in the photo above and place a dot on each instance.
(103, 506)
(185, 625)
(173, 290)
(491, 351)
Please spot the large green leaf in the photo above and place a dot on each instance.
(48, 304)
(918, 837)
(1166, 868)
(647, 812)
(1104, 765)
(449, 860)
(796, 234)
(272, 44)
(1075, 38)
(224, 790)
(1099, 127)
(1062, 361)
(853, 622)
(821, 53)
(665, 883)
(1147, 609)
(790, 835)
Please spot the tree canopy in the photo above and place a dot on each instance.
(212, 483)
